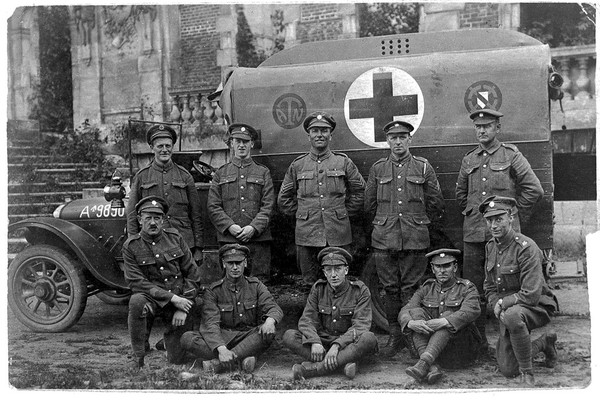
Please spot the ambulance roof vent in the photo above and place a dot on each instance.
(390, 47)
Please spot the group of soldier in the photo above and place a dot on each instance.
(441, 320)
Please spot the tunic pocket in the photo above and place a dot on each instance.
(306, 183)
(500, 176)
(335, 181)
(414, 188)
(149, 188)
(384, 189)
(510, 277)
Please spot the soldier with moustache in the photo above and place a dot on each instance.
(163, 277)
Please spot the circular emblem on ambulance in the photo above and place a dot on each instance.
(379, 96)
(289, 110)
(483, 95)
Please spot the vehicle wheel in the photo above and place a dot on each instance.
(114, 297)
(369, 277)
(47, 290)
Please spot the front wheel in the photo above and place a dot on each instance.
(47, 290)
(370, 278)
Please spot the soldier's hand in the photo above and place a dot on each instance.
(182, 304)
(419, 326)
(331, 357)
(226, 356)
(198, 255)
(497, 309)
(437, 324)
(267, 329)
(316, 352)
(179, 318)
(246, 234)
(235, 230)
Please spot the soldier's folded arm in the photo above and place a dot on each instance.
(287, 201)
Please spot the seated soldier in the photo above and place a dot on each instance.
(238, 317)
(333, 330)
(515, 288)
(440, 319)
(163, 277)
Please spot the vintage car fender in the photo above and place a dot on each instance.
(96, 259)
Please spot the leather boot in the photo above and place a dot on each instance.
(550, 349)
(308, 369)
(418, 371)
(350, 370)
(396, 342)
(527, 378)
(434, 374)
(248, 364)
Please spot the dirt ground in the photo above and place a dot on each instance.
(92, 353)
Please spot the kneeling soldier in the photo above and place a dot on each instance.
(517, 291)
(238, 317)
(333, 330)
(440, 319)
(160, 271)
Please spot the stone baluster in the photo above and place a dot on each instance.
(565, 71)
(583, 81)
(186, 114)
(197, 112)
(218, 114)
(175, 113)
(208, 111)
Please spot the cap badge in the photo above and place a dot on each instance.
(154, 203)
(243, 129)
(492, 204)
(233, 251)
(480, 114)
(396, 125)
(442, 255)
(161, 127)
(319, 117)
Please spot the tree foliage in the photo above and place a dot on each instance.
(52, 99)
(247, 53)
(560, 24)
(377, 19)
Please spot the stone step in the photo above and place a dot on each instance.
(55, 165)
(40, 186)
(27, 150)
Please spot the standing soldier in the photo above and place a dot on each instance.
(161, 273)
(241, 200)
(516, 290)
(492, 168)
(333, 331)
(322, 189)
(440, 318)
(173, 183)
(404, 195)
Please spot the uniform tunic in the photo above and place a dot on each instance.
(231, 308)
(457, 301)
(160, 267)
(174, 184)
(338, 316)
(501, 170)
(514, 273)
(322, 191)
(241, 193)
(404, 196)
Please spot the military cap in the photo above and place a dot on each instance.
(160, 131)
(496, 205)
(485, 116)
(319, 119)
(154, 204)
(334, 256)
(233, 252)
(443, 256)
(398, 127)
(242, 131)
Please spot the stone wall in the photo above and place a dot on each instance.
(479, 15)
(199, 44)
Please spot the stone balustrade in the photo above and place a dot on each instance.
(577, 109)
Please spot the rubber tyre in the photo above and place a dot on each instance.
(114, 297)
(369, 277)
(47, 290)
